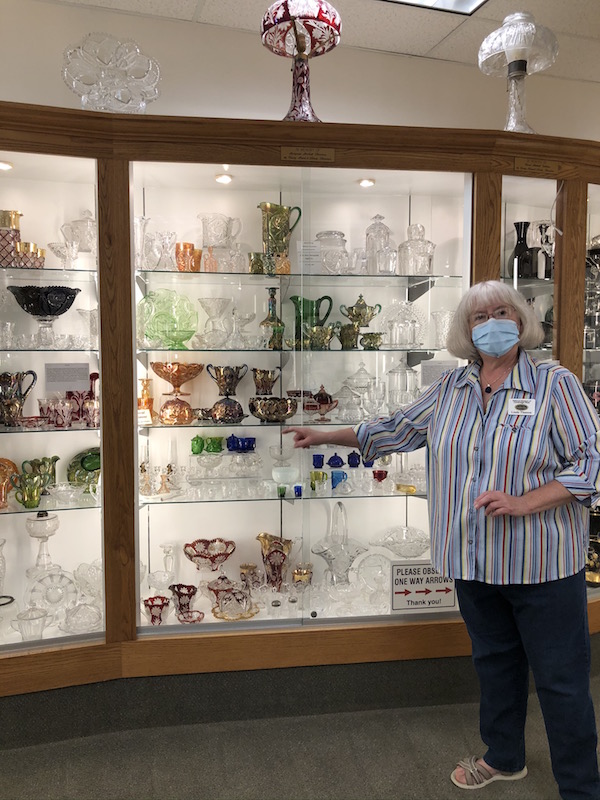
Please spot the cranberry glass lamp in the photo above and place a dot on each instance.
(301, 29)
(519, 48)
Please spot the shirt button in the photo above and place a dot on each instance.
(470, 541)
(476, 448)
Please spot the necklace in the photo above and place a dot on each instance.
(488, 387)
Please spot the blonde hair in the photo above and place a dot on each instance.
(459, 342)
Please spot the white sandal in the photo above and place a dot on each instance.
(477, 776)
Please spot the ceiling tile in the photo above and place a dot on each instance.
(376, 25)
(463, 44)
(233, 14)
(173, 9)
(576, 60)
(575, 17)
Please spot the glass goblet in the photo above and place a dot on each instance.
(67, 252)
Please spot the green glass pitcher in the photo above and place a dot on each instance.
(308, 314)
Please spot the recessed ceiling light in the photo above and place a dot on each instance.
(223, 178)
(366, 182)
(5, 166)
(456, 6)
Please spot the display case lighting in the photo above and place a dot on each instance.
(5, 166)
(366, 182)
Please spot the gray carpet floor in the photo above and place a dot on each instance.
(390, 754)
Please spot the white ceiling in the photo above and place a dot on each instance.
(394, 28)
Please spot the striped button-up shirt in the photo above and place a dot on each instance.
(471, 450)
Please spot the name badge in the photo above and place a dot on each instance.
(524, 407)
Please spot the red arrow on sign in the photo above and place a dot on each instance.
(423, 591)
(404, 592)
(445, 591)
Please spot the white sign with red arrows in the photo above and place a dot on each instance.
(418, 587)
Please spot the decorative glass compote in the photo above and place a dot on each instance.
(41, 527)
(176, 411)
(217, 328)
(238, 340)
(282, 472)
(45, 303)
(208, 555)
(67, 252)
(166, 319)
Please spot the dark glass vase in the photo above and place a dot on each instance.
(523, 259)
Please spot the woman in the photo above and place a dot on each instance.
(513, 463)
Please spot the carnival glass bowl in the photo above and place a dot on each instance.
(44, 302)
(273, 409)
(176, 373)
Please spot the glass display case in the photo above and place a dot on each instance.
(51, 567)
(323, 302)
(290, 296)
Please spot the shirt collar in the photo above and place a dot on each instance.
(522, 377)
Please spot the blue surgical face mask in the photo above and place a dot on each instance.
(496, 336)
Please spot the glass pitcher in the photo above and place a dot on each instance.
(219, 230)
(82, 231)
(277, 228)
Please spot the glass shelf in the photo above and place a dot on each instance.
(72, 429)
(19, 274)
(155, 500)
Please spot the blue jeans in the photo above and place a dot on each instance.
(543, 626)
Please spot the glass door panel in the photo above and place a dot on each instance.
(527, 259)
(289, 296)
(51, 572)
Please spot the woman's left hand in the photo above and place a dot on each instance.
(498, 504)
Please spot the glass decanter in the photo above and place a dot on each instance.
(272, 326)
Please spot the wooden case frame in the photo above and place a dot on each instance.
(115, 141)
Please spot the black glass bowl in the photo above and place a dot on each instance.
(44, 301)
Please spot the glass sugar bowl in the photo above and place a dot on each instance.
(334, 256)
(415, 255)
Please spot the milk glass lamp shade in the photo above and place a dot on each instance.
(519, 48)
(301, 29)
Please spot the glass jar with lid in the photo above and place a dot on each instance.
(415, 255)
(403, 385)
(334, 256)
(377, 238)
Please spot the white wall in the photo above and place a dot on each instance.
(209, 71)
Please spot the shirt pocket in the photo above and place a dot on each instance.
(512, 454)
